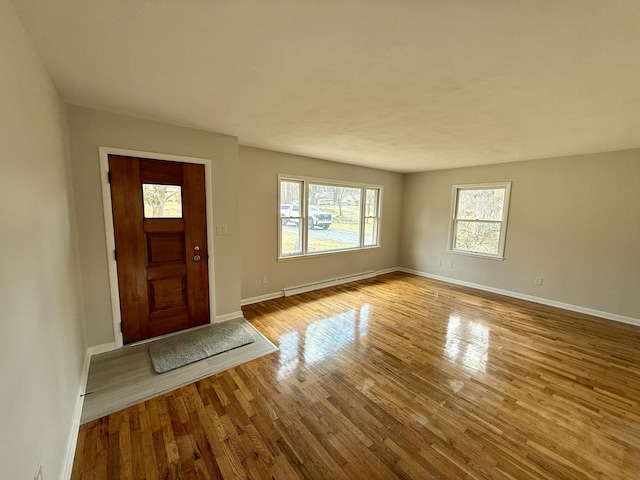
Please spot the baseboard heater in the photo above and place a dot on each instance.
(327, 283)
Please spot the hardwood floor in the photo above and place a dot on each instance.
(395, 377)
(125, 376)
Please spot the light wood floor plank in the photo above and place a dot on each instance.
(395, 377)
(125, 377)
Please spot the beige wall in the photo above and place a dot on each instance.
(89, 129)
(42, 341)
(259, 213)
(574, 221)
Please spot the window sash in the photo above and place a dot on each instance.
(373, 216)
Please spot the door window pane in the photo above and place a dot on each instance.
(162, 201)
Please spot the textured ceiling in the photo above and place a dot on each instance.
(399, 85)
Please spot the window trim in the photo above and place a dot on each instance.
(304, 192)
(505, 217)
(376, 217)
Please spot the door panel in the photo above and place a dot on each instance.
(162, 261)
(165, 248)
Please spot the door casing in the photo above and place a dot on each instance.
(110, 235)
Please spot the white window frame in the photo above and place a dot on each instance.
(503, 222)
(304, 193)
(366, 217)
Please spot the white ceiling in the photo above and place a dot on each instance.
(403, 85)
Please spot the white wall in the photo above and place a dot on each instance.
(41, 330)
(89, 129)
(259, 214)
(575, 221)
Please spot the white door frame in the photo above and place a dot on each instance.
(110, 235)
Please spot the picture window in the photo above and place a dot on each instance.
(322, 216)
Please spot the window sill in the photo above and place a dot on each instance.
(330, 252)
(477, 255)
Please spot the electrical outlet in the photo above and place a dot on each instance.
(221, 230)
(538, 281)
(439, 263)
(38, 475)
(265, 279)
(450, 264)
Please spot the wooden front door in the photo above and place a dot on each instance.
(159, 219)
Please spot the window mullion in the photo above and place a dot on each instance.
(304, 207)
(361, 221)
(478, 220)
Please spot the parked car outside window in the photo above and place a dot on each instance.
(284, 209)
(317, 218)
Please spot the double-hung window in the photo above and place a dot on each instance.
(321, 216)
(479, 219)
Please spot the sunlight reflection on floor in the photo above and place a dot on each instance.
(321, 339)
(467, 343)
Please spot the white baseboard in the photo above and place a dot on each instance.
(316, 286)
(327, 283)
(261, 298)
(107, 347)
(74, 431)
(508, 293)
(530, 298)
(387, 270)
(228, 316)
(98, 349)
